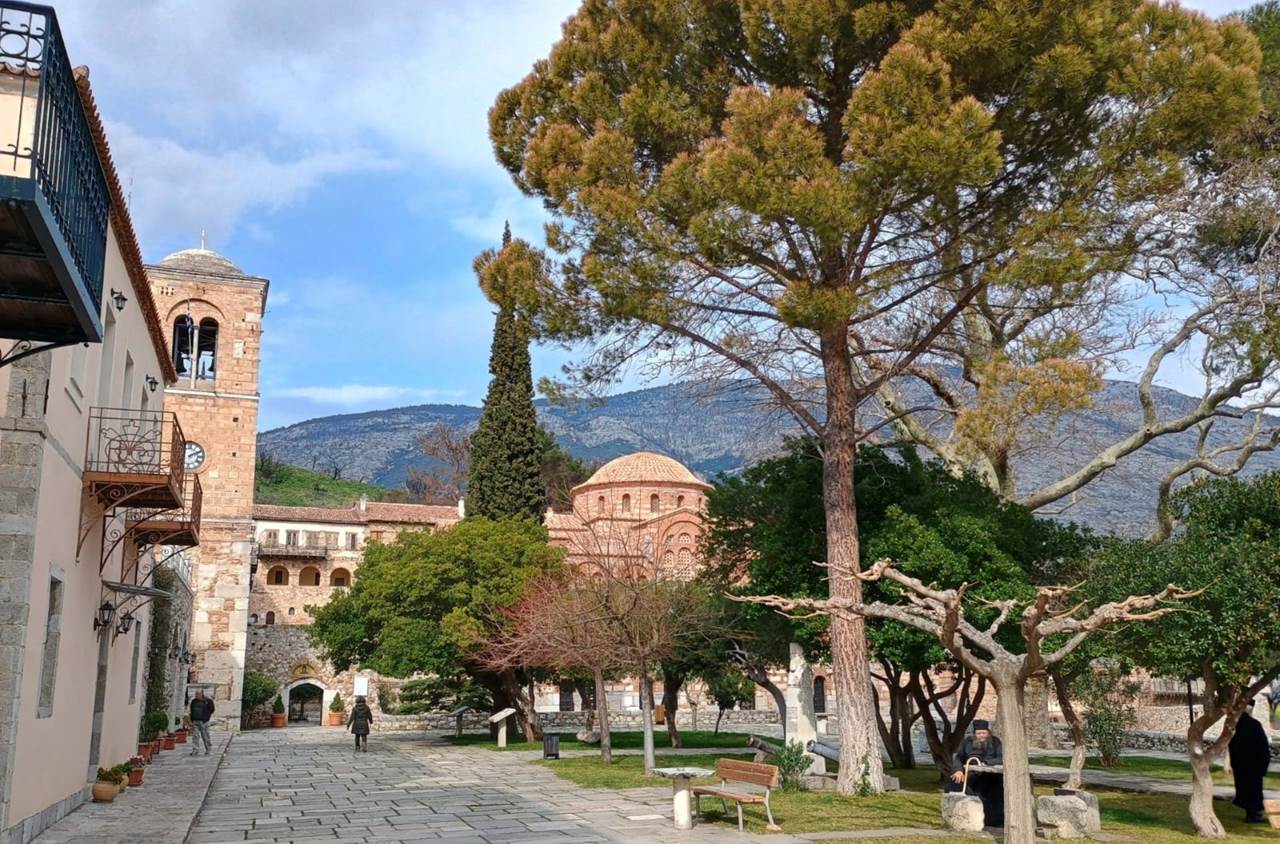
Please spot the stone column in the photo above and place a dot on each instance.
(802, 720)
(22, 440)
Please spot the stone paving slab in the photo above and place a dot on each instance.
(310, 785)
(160, 811)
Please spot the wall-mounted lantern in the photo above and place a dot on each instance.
(106, 613)
(119, 298)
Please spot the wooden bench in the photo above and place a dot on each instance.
(735, 770)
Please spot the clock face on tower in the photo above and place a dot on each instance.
(194, 457)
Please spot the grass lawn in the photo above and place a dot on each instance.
(1148, 766)
(628, 740)
(1132, 818)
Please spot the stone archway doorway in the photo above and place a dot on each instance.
(305, 702)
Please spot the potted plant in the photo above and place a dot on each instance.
(277, 712)
(180, 732)
(135, 771)
(152, 724)
(144, 752)
(123, 770)
(335, 711)
(107, 785)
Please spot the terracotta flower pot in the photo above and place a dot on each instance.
(277, 720)
(168, 742)
(336, 719)
(135, 776)
(180, 736)
(156, 747)
(144, 750)
(104, 792)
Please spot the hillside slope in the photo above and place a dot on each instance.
(726, 431)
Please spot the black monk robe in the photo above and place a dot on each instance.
(1250, 755)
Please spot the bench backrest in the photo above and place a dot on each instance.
(756, 773)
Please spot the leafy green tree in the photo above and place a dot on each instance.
(728, 689)
(259, 689)
(766, 525)
(429, 601)
(506, 449)
(811, 192)
(1229, 635)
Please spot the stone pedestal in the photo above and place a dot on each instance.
(802, 720)
(1068, 814)
(962, 812)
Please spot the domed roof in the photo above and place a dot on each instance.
(643, 467)
(201, 261)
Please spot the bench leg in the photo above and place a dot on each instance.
(773, 827)
(697, 805)
(739, 805)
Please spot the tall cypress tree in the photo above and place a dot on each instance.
(506, 454)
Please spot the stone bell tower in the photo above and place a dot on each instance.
(212, 312)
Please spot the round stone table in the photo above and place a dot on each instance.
(680, 794)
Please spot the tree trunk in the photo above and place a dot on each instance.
(646, 718)
(944, 742)
(1203, 817)
(719, 715)
(526, 718)
(1019, 808)
(587, 695)
(1079, 749)
(855, 707)
(895, 727)
(908, 717)
(671, 683)
(758, 675)
(602, 717)
(1036, 713)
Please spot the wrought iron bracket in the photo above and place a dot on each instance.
(26, 348)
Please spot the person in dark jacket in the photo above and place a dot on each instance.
(359, 721)
(989, 786)
(1250, 751)
(201, 712)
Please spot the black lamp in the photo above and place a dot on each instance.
(152, 383)
(106, 612)
(119, 298)
(125, 622)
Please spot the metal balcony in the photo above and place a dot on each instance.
(54, 200)
(134, 459)
(178, 527)
(282, 549)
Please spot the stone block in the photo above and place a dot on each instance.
(962, 812)
(818, 782)
(1062, 815)
(1093, 820)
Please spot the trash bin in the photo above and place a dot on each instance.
(550, 745)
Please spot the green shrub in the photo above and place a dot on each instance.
(153, 724)
(277, 706)
(110, 775)
(335, 705)
(257, 691)
(792, 762)
(1110, 702)
(440, 694)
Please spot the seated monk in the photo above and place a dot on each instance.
(989, 786)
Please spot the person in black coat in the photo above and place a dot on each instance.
(1250, 751)
(988, 750)
(359, 721)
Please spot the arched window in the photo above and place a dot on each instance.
(626, 503)
(679, 500)
(310, 576)
(253, 618)
(207, 350)
(340, 577)
(271, 617)
(819, 694)
(290, 610)
(686, 558)
(653, 503)
(183, 339)
(668, 560)
(600, 506)
(278, 576)
(685, 539)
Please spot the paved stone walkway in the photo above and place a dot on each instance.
(160, 811)
(308, 785)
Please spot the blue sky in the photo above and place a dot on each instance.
(340, 150)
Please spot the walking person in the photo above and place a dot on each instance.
(359, 721)
(201, 712)
(1250, 751)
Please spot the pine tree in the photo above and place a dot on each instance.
(506, 453)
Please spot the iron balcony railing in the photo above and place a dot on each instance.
(49, 138)
(129, 447)
(269, 548)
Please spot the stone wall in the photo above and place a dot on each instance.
(569, 720)
(1152, 740)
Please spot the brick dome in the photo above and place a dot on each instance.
(200, 261)
(645, 468)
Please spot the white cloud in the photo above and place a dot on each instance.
(351, 395)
